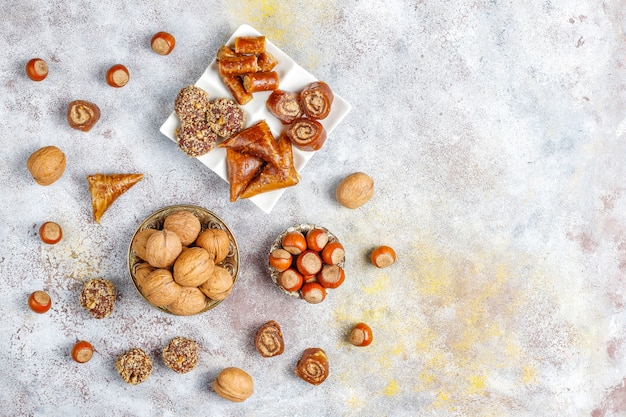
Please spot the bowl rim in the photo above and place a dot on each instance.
(158, 216)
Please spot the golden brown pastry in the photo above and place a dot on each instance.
(274, 177)
(242, 168)
(257, 140)
(105, 189)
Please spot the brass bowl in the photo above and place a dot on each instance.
(208, 220)
(304, 229)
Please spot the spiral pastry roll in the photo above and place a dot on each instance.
(306, 134)
(313, 366)
(317, 99)
(269, 340)
(284, 105)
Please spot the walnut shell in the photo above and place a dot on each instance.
(162, 248)
(219, 284)
(139, 242)
(234, 384)
(190, 301)
(160, 289)
(193, 267)
(46, 165)
(185, 224)
(216, 242)
(141, 273)
(355, 190)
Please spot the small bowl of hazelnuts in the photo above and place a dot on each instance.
(305, 261)
(183, 260)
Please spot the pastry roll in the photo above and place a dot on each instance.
(235, 86)
(317, 99)
(266, 61)
(306, 134)
(284, 105)
(260, 81)
(250, 44)
(238, 65)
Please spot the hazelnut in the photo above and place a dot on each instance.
(160, 289)
(46, 165)
(355, 190)
(234, 384)
(219, 284)
(185, 224)
(140, 240)
(216, 242)
(162, 248)
(190, 301)
(193, 267)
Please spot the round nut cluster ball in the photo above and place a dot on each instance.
(180, 271)
(181, 354)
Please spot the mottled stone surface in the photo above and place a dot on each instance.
(495, 134)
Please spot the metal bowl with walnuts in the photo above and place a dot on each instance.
(190, 299)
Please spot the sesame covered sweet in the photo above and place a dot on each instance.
(134, 366)
(181, 354)
(195, 141)
(98, 297)
(225, 117)
(191, 104)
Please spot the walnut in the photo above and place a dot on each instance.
(46, 165)
(162, 248)
(141, 273)
(216, 242)
(219, 285)
(140, 240)
(185, 224)
(160, 289)
(234, 384)
(355, 190)
(193, 267)
(190, 301)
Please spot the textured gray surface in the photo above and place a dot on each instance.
(495, 135)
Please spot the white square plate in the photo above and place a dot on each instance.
(292, 78)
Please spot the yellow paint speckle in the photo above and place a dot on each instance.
(529, 375)
(391, 389)
(380, 285)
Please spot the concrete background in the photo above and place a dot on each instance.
(495, 134)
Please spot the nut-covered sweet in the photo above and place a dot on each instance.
(190, 301)
(162, 248)
(234, 384)
(46, 165)
(269, 340)
(159, 287)
(98, 297)
(355, 190)
(193, 267)
(185, 224)
(140, 240)
(181, 354)
(313, 366)
(216, 242)
(219, 285)
(134, 366)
